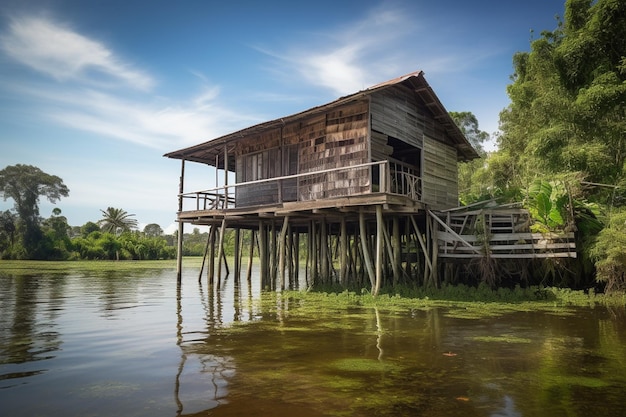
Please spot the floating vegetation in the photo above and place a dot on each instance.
(364, 365)
(501, 339)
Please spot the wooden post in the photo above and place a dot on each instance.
(250, 258)
(396, 245)
(314, 253)
(296, 259)
(307, 261)
(282, 251)
(435, 269)
(379, 248)
(220, 251)
(206, 250)
(390, 253)
(273, 252)
(263, 254)
(323, 235)
(211, 267)
(343, 252)
(179, 251)
(365, 250)
(427, 263)
(238, 252)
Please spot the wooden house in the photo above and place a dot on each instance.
(356, 176)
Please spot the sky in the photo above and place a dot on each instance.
(96, 91)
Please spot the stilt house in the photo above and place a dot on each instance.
(355, 176)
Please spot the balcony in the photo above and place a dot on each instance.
(383, 177)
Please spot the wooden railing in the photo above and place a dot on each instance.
(392, 178)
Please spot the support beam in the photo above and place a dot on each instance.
(204, 255)
(179, 251)
(237, 253)
(364, 248)
(282, 252)
(343, 252)
(380, 242)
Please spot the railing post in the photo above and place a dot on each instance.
(382, 172)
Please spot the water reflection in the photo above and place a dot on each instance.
(137, 344)
(27, 327)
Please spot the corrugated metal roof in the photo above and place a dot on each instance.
(212, 151)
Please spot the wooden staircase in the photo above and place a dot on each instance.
(497, 232)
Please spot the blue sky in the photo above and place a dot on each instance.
(97, 91)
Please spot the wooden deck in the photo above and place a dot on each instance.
(304, 211)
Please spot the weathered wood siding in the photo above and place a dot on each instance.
(331, 140)
(336, 140)
(258, 157)
(396, 113)
(439, 176)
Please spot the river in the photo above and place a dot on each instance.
(132, 343)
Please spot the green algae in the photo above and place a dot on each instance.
(501, 339)
(364, 365)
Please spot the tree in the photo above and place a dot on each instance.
(468, 123)
(88, 228)
(567, 98)
(25, 184)
(473, 186)
(7, 231)
(566, 125)
(609, 253)
(152, 230)
(116, 221)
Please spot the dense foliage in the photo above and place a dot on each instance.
(562, 143)
(26, 235)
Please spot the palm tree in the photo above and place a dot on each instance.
(116, 221)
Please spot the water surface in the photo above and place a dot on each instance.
(133, 344)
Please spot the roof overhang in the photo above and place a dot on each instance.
(213, 152)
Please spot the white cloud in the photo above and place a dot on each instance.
(64, 54)
(161, 123)
(351, 58)
(384, 44)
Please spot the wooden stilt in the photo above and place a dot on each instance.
(237, 253)
(435, 249)
(282, 252)
(314, 254)
(263, 255)
(220, 251)
(250, 258)
(179, 254)
(323, 237)
(179, 248)
(379, 248)
(396, 245)
(427, 263)
(273, 252)
(343, 252)
(296, 259)
(211, 267)
(206, 250)
(364, 247)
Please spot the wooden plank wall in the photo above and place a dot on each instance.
(400, 113)
(336, 139)
(267, 146)
(396, 113)
(439, 175)
(339, 140)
